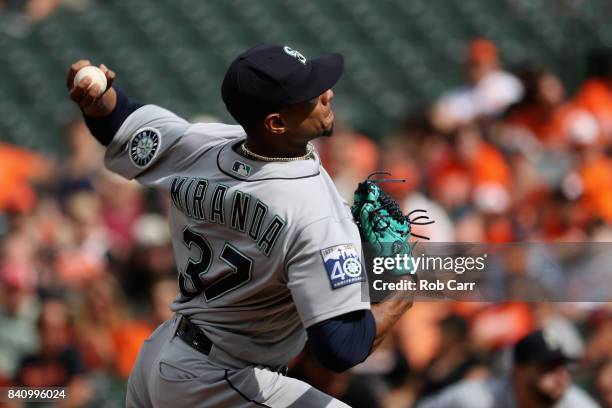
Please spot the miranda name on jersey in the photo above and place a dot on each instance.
(189, 196)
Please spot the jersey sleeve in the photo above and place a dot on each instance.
(325, 273)
(154, 143)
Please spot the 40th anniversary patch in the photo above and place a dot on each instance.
(343, 265)
(144, 146)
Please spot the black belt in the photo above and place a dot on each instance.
(193, 336)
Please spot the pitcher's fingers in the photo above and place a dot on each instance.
(74, 68)
(110, 75)
(78, 92)
(90, 97)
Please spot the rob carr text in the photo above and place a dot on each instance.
(423, 285)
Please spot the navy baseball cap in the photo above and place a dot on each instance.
(539, 347)
(267, 77)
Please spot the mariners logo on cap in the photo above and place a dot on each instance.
(143, 146)
(295, 54)
(241, 168)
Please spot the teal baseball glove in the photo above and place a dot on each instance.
(381, 222)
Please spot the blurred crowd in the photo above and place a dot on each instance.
(17, 17)
(87, 271)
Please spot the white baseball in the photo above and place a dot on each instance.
(96, 75)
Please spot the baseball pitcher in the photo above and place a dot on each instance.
(268, 253)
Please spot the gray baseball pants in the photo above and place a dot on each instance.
(170, 373)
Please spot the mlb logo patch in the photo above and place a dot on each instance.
(343, 265)
(241, 168)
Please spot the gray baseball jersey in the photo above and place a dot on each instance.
(263, 249)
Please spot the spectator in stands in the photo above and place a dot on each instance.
(539, 379)
(349, 157)
(163, 292)
(603, 383)
(598, 344)
(476, 174)
(18, 167)
(83, 260)
(109, 339)
(151, 258)
(545, 113)
(595, 94)
(489, 91)
(58, 360)
(58, 363)
(593, 180)
(549, 317)
(470, 227)
(36, 10)
(455, 361)
(487, 168)
(500, 325)
(18, 16)
(122, 204)
(77, 172)
(18, 311)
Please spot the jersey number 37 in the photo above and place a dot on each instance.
(193, 280)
